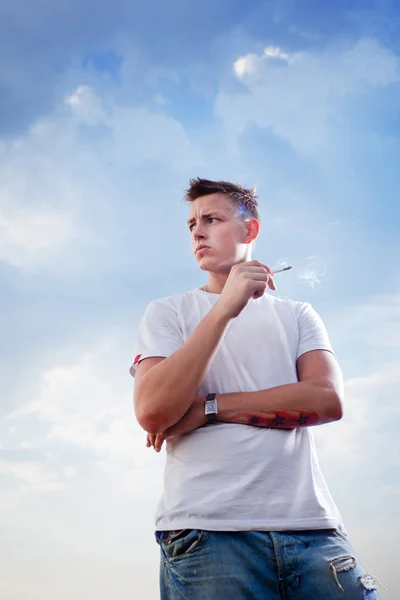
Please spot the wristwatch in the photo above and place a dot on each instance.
(211, 408)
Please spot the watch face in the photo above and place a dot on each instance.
(211, 407)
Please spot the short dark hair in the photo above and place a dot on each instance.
(245, 199)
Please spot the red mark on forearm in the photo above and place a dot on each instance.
(283, 419)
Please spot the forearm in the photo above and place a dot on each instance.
(284, 407)
(167, 390)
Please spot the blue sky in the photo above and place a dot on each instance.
(105, 115)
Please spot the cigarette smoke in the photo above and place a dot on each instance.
(313, 273)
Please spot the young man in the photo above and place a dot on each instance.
(234, 379)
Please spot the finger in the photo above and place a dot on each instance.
(258, 276)
(255, 269)
(257, 263)
(263, 276)
(158, 442)
(151, 439)
(266, 267)
(271, 283)
(260, 287)
(254, 263)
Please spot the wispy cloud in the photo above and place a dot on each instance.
(299, 102)
(58, 178)
(86, 405)
(343, 445)
(33, 476)
(28, 236)
(391, 489)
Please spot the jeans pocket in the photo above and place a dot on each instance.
(177, 545)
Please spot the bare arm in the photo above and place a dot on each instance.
(315, 399)
(165, 388)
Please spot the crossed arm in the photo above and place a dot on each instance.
(314, 400)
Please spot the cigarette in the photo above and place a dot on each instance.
(281, 270)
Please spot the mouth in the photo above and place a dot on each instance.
(201, 248)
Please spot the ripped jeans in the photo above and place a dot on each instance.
(257, 565)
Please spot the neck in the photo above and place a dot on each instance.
(216, 282)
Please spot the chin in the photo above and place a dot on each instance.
(204, 267)
(204, 264)
(211, 266)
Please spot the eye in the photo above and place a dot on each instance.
(212, 219)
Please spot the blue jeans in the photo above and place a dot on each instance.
(257, 565)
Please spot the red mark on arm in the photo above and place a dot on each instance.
(282, 419)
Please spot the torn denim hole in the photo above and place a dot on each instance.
(369, 582)
(342, 563)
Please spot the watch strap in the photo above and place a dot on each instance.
(211, 416)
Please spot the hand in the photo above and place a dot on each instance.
(246, 280)
(191, 420)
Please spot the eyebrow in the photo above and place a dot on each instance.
(204, 216)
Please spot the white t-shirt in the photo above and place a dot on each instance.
(231, 477)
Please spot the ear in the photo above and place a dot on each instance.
(252, 231)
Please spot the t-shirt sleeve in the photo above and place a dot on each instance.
(312, 331)
(159, 333)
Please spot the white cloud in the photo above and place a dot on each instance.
(244, 64)
(25, 445)
(138, 134)
(134, 133)
(27, 236)
(88, 405)
(371, 404)
(391, 489)
(34, 476)
(120, 440)
(37, 198)
(298, 101)
(85, 105)
(81, 388)
(251, 62)
(57, 179)
(70, 472)
(375, 323)
(273, 52)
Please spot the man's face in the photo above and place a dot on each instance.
(214, 224)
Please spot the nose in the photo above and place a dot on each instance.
(198, 233)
